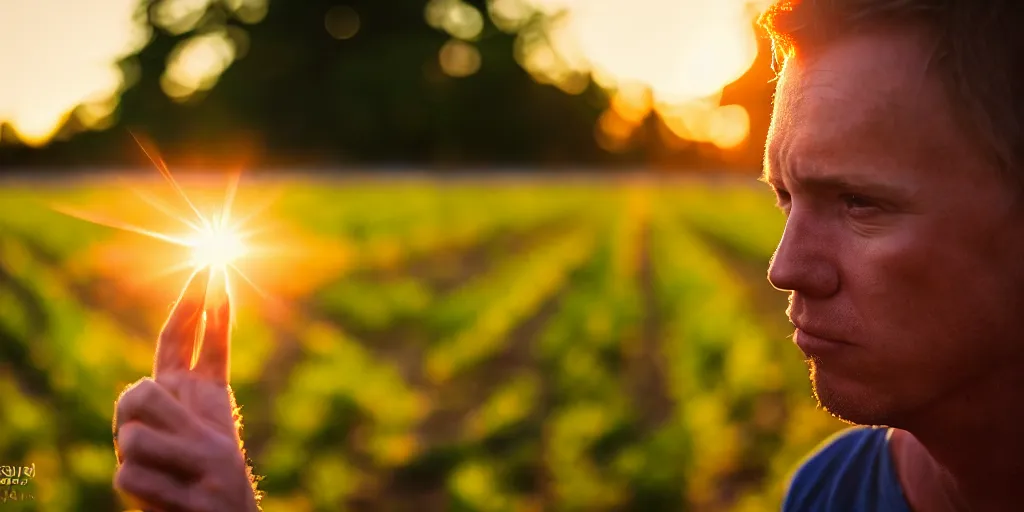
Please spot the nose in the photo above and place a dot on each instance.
(804, 261)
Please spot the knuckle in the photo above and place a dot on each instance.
(140, 488)
(138, 391)
(131, 440)
(124, 407)
(121, 410)
(217, 452)
(145, 388)
(135, 398)
(222, 445)
(127, 478)
(121, 477)
(171, 382)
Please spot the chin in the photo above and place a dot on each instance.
(848, 399)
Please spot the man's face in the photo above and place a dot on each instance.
(903, 246)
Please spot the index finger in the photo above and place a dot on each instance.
(214, 359)
(177, 339)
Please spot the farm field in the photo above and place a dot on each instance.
(431, 345)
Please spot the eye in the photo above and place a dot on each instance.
(859, 204)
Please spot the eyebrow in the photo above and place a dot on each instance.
(833, 182)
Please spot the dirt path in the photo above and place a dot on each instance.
(646, 371)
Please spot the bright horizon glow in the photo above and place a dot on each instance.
(672, 58)
(57, 55)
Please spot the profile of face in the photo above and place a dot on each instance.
(903, 249)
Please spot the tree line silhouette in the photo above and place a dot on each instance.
(299, 98)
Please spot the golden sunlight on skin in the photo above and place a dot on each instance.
(683, 52)
(58, 54)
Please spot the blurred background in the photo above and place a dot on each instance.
(503, 255)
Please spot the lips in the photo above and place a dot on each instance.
(822, 334)
(819, 330)
(814, 333)
(817, 345)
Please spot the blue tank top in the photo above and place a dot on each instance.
(850, 472)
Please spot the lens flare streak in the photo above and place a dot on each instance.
(214, 241)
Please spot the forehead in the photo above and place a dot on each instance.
(866, 100)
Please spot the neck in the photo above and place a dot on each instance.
(975, 445)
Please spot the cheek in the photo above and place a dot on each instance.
(924, 289)
(904, 282)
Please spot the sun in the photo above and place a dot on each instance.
(217, 246)
(215, 241)
(245, 246)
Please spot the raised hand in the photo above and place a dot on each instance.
(176, 434)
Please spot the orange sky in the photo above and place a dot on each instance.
(672, 57)
(56, 54)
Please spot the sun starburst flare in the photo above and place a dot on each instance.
(217, 239)
(216, 246)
